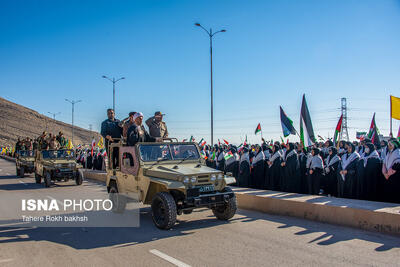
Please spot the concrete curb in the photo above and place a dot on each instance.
(367, 215)
(7, 158)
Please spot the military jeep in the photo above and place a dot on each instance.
(25, 162)
(171, 177)
(56, 165)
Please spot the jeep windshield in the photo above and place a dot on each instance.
(25, 153)
(58, 154)
(167, 152)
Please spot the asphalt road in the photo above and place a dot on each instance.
(198, 239)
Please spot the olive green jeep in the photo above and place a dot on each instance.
(24, 162)
(171, 177)
(57, 165)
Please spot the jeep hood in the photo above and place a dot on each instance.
(168, 171)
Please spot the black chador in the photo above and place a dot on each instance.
(274, 168)
(331, 167)
(267, 155)
(372, 173)
(391, 171)
(244, 169)
(290, 171)
(220, 160)
(315, 172)
(258, 169)
(303, 171)
(347, 174)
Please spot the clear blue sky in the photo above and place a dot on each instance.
(272, 53)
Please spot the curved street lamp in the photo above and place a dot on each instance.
(113, 80)
(211, 35)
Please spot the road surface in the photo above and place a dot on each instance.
(249, 239)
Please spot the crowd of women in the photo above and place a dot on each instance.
(350, 169)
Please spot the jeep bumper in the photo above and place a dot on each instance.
(209, 200)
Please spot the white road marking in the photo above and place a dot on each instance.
(22, 182)
(6, 260)
(168, 258)
(58, 201)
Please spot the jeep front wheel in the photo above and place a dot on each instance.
(163, 210)
(118, 200)
(228, 210)
(47, 179)
(22, 172)
(78, 178)
(17, 172)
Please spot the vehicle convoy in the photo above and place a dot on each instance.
(25, 162)
(56, 165)
(171, 177)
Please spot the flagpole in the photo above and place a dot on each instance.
(391, 133)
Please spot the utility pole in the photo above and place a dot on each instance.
(344, 133)
(211, 35)
(73, 102)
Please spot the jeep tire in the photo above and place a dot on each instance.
(47, 179)
(228, 210)
(78, 178)
(38, 178)
(118, 200)
(17, 172)
(22, 172)
(163, 210)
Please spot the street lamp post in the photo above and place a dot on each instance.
(73, 102)
(54, 114)
(113, 80)
(211, 35)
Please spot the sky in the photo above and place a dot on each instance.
(271, 54)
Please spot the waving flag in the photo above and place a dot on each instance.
(373, 133)
(228, 155)
(337, 131)
(191, 139)
(307, 136)
(226, 142)
(93, 145)
(287, 124)
(100, 144)
(258, 129)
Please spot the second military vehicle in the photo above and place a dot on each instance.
(56, 165)
(171, 177)
(25, 162)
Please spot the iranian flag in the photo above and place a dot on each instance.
(245, 142)
(307, 136)
(93, 145)
(373, 133)
(258, 129)
(191, 139)
(228, 155)
(337, 131)
(226, 142)
(213, 156)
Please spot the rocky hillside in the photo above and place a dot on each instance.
(18, 121)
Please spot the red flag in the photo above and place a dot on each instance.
(93, 145)
(226, 142)
(338, 130)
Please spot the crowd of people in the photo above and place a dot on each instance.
(358, 170)
(43, 142)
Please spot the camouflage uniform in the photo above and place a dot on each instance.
(157, 129)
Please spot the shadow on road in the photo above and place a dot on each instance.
(97, 237)
(330, 234)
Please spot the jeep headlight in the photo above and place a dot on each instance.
(185, 180)
(213, 177)
(193, 179)
(220, 176)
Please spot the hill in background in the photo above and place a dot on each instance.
(19, 121)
